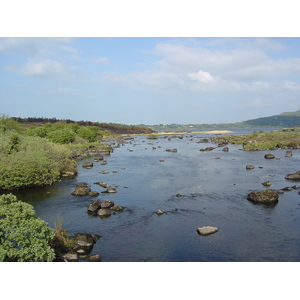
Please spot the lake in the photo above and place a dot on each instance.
(194, 189)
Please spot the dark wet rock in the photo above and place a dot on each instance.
(280, 192)
(269, 156)
(295, 187)
(250, 167)
(287, 189)
(111, 190)
(87, 165)
(159, 212)
(178, 195)
(93, 194)
(117, 208)
(94, 206)
(71, 256)
(103, 184)
(107, 203)
(83, 243)
(267, 196)
(82, 189)
(266, 183)
(104, 212)
(289, 153)
(294, 176)
(171, 150)
(204, 141)
(98, 158)
(69, 174)
(161, 160)
(225, 149)
(93, 258)
(207, 149)
(207, 230)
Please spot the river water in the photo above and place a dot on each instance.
(213, 188)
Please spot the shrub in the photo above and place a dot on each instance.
(91, 133)
(36, 162)
(23, 236)
(61, 136)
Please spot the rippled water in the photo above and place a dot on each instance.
(213, 192)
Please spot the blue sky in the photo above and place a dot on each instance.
(149, 80)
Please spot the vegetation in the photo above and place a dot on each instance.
(265, 140)
(23, 236)
(152, 136)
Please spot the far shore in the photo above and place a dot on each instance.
(193, 132)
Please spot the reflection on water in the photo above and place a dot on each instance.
(194, 189)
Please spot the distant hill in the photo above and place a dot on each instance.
(287, 119)
(293, 113)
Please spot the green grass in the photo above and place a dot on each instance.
(266, 140)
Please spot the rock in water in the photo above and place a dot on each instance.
(267, 196)
(269, 156)
(159, 212)
(207, 230)
(294, 176)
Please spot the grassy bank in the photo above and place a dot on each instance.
(265, 140)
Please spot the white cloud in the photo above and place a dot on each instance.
(201, 76)
(43, 68)
(100, 60)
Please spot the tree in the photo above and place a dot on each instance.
(23, 236)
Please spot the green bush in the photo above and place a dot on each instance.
(91, 133)
(23, 236)
(33, 162)
(61, 136)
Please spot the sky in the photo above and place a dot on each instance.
(149, 80)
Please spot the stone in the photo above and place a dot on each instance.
(93, 194)
(225, 149)
(294, 176)
(280, 192)
(103, 172)
(159, 212)
(87, 165)
(104, 212)
(287, 189)
(269, 156)
(94, 206)
(250, 167)
(288, 153)
(82, 189)
(266, 183)
(71, 256)
(267, 196)
(93, 258)
(83, 243)
(107, 203)
(207, 230)
(117, 208)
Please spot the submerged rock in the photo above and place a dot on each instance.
(267, 196)
(207, 230)
(87, 165)
(289, 153)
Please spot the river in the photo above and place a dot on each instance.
(194, 189)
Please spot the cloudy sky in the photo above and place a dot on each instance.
(149, 80)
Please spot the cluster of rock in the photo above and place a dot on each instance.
(83, 244)
(109, 189)
(83, 189)
(103, 208)
(171, 150)
(95, 151)
(208, 149)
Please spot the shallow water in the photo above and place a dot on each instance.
(213, 192)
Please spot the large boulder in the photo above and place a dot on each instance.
(294, 176)
(83, 243)
(267, 196)
(82, 189)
